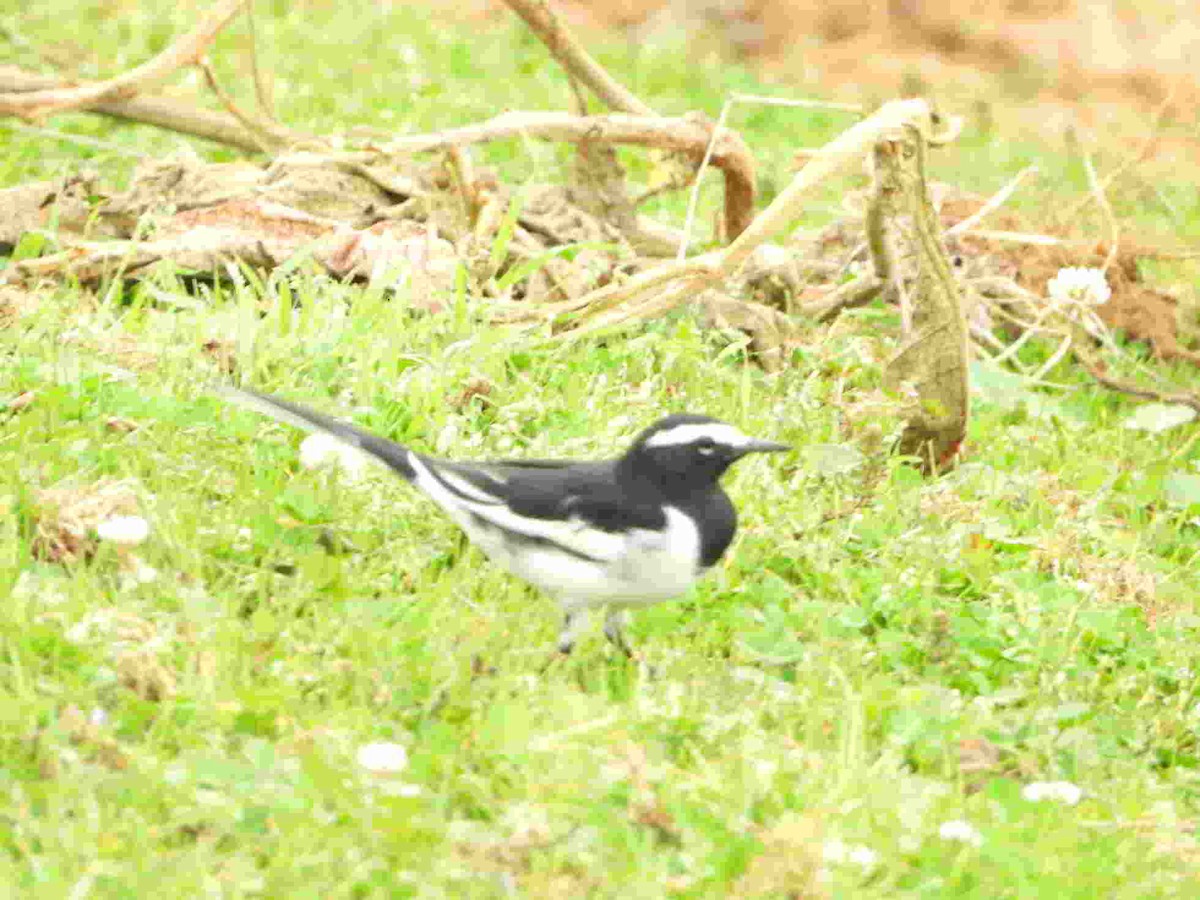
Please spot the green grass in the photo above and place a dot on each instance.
(866, 630)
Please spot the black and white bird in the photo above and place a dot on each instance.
(617, 533)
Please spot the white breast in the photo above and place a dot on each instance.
(651, 566)
(640, 567)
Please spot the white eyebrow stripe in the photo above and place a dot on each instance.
(717, 432)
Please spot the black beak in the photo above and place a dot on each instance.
(763, 447)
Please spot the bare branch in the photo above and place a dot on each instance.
(1114, 227)
(997, 200)
(684, 134)
(849, 147)
(256, 133)
(1088, 359)
(185, 51)
(570, 54)
(162, 112)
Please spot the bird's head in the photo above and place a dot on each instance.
(684, 452)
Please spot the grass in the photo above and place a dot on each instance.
(876, 656)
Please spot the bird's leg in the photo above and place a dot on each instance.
(614, 630)
(574, 622)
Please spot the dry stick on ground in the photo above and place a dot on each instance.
(262, 140)
(268, 134)
(719, 129)
(994, 202)
(1157, 120)
(1114, 227)
(595, 311)
(185, 51)
(682, 134)
(578, 64)
(1081, 345)
(162, 112)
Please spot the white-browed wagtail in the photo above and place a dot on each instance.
(616, 533)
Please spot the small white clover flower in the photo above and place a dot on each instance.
(382, 758)
(1078, 285)
(320, 450)
(959, 830)
(1058, 791)
(835, 852)
(127, 530)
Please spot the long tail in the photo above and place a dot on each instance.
(395, 456)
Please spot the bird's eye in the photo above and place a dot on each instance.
(706, 447)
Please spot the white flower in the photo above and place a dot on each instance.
(400, 789)
(1060, 791)
(320, 450)
(837, 852)
(1074, 285)
(124, 530)
(382, 758)
(958, 830)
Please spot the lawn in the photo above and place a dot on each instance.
(855, 703)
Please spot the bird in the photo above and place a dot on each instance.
(617, 533)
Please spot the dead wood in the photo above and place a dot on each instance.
(1081, 347)
(186, 50)
(162, 112)
(600, 309)
(688, 134)
(574, 59)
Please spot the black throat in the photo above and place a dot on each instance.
(703, 500)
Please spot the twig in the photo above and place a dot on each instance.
(184, 51)
(261, 91)
(162, 112)
(994, 202)
(694, 197)
(1058, 354)
(763, 100)
(1021, 237)
(684, 134)
(1114, 227)
(717, 131)
(1096, 369)
(851, 145)
(210, 77)
(1138, 156)
(569, 54)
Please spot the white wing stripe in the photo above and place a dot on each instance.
(571, 534)
(460, 485)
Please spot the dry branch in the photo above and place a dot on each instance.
(850, 147)
(185, 51)
(685, 134)
(1081, 344)
(162, 112)
(574, 59)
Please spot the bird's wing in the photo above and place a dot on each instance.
(395, 456)
(571, 506)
